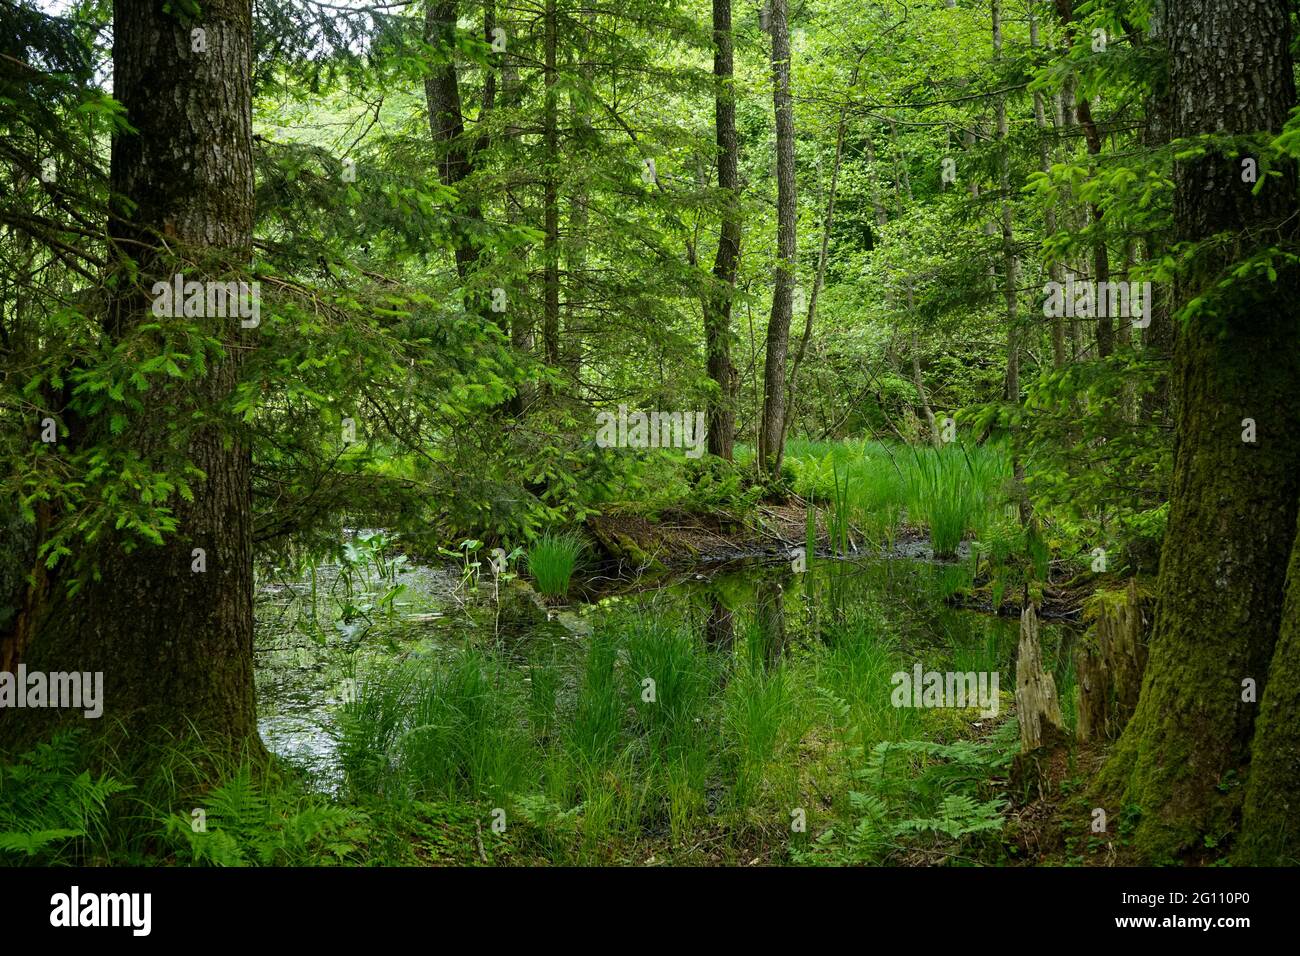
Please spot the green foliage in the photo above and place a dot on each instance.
(384, 391)
(916, 788)
(51, 811)
(437, 729)
(552, 559)
(635, 740)
(1103, 477)
(671, 678)
(950, 492)
(765, 715)
(242, 824)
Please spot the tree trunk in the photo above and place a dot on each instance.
(550, 202)
(522, 315)
(447, 124)
(175, 646)
(717, 305)
(1109, 664)
(1009, 264)
(1233, 509)
(822, 258)
(772, 429)
(1010, 281)
(1092, 137)
(1075, 220)
(1055, 272)
(1100, 254)
(1270, 831)
(936, 439)
(1092, 680)
(1158, 337)
(1119, 635)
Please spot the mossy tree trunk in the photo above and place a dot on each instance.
(1232, 515)
(1271, 821)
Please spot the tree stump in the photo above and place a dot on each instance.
(1109, 665)
(1037, 704)
(1092, 678)
(1120, 637)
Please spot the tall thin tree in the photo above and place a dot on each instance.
(772, 426)
(717, 304)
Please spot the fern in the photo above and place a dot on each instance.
(544, 813)
(915, 788)
(32, 843)
(959, 816)
(47, 804)
(242, 827)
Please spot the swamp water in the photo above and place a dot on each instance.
(315, 634)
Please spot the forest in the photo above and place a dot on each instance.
(728, 433)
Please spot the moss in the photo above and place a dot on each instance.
(1271, 821)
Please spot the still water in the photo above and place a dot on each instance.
(315, 631)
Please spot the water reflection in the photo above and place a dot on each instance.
(304, 657)
(719, 624)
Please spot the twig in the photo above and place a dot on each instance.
(478, 840)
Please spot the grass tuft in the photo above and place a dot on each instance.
(552, 559)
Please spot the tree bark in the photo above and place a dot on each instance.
(1010, 281)
(772, 428)
(1038, 709)
(1158, 337)
(522, 316)
(1100, 256)
(1055, 273)
(717, 304)
(822, 258)
(936, 440)
(550, 201)
(175, 646)
(1270, 831)
(1009, 264)
(447, 124)
(1233, 508)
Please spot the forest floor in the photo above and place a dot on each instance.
(1049, 823)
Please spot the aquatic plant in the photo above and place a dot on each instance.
(552, 559)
